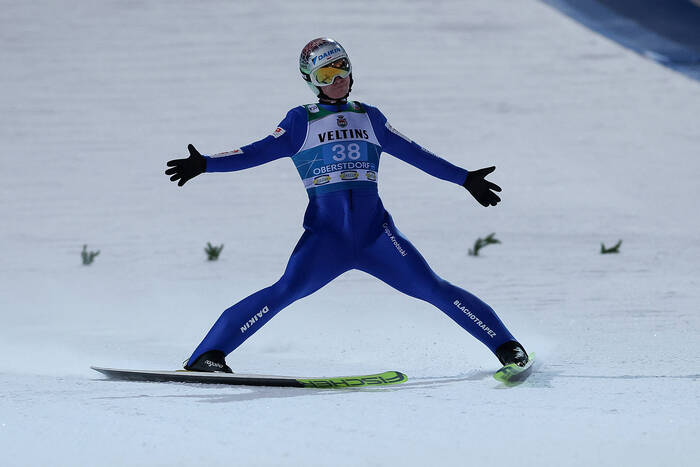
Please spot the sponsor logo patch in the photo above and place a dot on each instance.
(235, 152)
(254, 319)
(313, 108)
(347, 133)
(342, 123)
(475, 319)
(322, 180)
(371, 175)
(393, 239)
(349, 175)
(278, 132)
(325, 55)
(395, 131)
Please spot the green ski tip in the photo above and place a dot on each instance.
(513, 374)
(344, 382)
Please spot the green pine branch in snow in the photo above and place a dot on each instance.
(88, 256)
(213, 251)
(482, 242)
(612, 249)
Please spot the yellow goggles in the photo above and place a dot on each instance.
(327, 73)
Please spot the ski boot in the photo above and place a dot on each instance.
(512, 352)
(211, 361)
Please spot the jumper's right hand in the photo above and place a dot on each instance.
(186, 169)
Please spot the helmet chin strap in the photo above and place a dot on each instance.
(324, 99)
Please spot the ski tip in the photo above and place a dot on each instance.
(512, 374)
(402, 376)
(345, 382)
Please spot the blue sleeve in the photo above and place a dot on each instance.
(408, 151)
(285, 141)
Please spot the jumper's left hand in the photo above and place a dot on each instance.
(481, 189)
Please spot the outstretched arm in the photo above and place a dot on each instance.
(409, 151)
(283, 142)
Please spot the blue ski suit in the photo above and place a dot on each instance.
(336, 150)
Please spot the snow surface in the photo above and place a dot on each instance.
(593, 144)
(666, 31)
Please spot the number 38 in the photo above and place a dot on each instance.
(339, 152)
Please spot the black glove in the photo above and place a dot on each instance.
(480, 188)
(186, 169)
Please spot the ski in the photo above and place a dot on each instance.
(199, 377)
(512, 374)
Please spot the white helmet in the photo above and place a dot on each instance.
(321, 61)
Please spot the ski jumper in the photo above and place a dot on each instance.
(336, 150)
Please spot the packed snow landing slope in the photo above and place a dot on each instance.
(592, 144)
